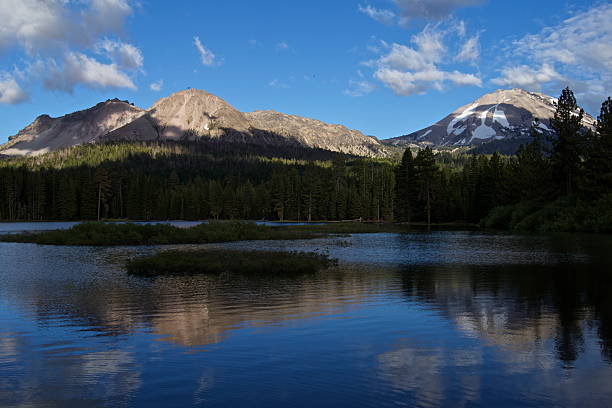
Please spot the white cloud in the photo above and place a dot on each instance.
(432, 9)
(409, 70)
(381, 15)
(459, 78)
(526, 77)
(41, 26)
(157, 86)
(470, 51)
(10, 91)
(78, 69)
(206, 56)
(359, 88)
(577, 52)
(107, 15)
(58, 38)
(123, 54)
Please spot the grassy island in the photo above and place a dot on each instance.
(127, 234)
(219, 261)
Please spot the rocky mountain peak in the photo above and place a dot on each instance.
(505, 115)
(189, 114)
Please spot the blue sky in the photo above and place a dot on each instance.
(385, 67)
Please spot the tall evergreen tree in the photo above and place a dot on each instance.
(568, 143)
(405, 187)
(531, 172)
(427, 171)
(598, 166)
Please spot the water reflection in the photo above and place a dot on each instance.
(442, 319)
(520, 307)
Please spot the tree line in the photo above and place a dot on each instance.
(161, 181)
(178, 181)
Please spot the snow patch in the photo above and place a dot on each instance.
(483, 132)
(500, 117)
(469, 111)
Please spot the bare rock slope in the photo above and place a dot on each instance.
(186, 115)
(46, 134)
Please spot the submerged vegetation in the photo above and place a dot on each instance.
(219, 261)
(125, 234)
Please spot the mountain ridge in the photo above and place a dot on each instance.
(185, 115)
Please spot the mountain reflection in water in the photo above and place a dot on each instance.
(441, 319)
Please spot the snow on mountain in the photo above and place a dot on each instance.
(503, 115)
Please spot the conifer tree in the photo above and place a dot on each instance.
(427, 171)
(598, 172)
(405, 188)
(567, 145)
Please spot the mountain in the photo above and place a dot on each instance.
(186, 115)
(499, 119)
(46, 134)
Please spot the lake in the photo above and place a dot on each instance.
(423, 319)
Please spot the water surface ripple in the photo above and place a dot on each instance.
(423, 319)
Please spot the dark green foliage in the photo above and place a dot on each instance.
(219, 261)
(405, 188)
(568, 142)
(181, 181)
(562, 215)
(121, 234)
(426, 172)
(598, 166)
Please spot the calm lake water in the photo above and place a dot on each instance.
(425, 319)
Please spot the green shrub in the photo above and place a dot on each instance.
(219, 261)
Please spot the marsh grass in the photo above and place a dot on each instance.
(128, 234)
(216, 261)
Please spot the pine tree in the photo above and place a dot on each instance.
(567, 146)
(531, 169)
(427, 171)
(103, 186)
(405, 188)
(598, 166)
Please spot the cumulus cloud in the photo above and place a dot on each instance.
(381, 15)
(61, 41)
(579, 48)
(77, 68)
(157, 86)
(432, 9)
(11, 92)
(414, 69)
(206, 56)
(41, 26)
(359, 88)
